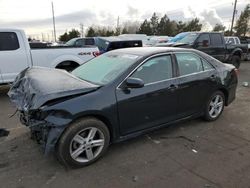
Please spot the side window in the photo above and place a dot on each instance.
(155, 69)
(237, 41)
(8, 41)
(188, 63)
(89, 41)
(206, 65)
(79, 43)
(231, 41)
(202, 38)
(216, 39)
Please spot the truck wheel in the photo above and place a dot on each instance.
(83, 142)
(236, 61)
(69, 66)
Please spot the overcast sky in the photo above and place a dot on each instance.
(34, 16)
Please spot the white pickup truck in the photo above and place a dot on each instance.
(16, 55)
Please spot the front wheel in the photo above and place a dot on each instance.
(214, 106)
(83, 143)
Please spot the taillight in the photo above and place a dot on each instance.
(236, 71)
(96, 54)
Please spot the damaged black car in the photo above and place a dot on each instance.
(119, 95)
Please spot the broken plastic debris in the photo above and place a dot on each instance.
(195, 151)
(135, 178)
(245, 84)
(153, 140)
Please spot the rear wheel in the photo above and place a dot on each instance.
(83, 143)
(214, 106)
(236, 61)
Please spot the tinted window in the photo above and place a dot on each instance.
(8, 41)
(89, 41)
(124, 44)
(188, 63)
(203, 37)
(79, 43)
(155, 69)
(216, 39)
(206, 65)
(231, 41)
(237, 41)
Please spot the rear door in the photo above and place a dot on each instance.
(203, 43)
(218, 46)
(13, 56)
(155, 103)
(197, 80)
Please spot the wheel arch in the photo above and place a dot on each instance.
(226, 93)
(97, 116)
(237, 52)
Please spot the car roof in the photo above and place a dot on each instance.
(147, 51)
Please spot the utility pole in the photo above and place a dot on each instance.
(53, 17)
(117, 26)
(81, 29)
(234, 12)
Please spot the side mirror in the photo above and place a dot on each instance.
(205, 43)
(134, 83)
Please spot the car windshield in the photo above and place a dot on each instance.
(105, 68)
(71, 42)
(189, 38)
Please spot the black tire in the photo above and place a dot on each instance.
(207, 115)
(63, 148)
(236, 61)
(68, 66)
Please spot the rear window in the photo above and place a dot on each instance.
(124, 44)
(8, 41)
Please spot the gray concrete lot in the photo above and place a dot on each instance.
(190, 154)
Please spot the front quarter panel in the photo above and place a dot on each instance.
(101, 103)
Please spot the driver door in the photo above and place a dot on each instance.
(153, 104)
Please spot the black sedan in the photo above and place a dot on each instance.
(119, 95)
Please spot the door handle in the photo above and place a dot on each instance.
(173, 87)
(213, 77)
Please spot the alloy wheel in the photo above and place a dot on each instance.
(216, 106)
(87, 144)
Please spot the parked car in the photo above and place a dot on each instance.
(213, 43)
(16, 55)
(119, 95)
(106, 44)
(246, 41)
(144, 38)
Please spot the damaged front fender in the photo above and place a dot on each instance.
(46, 126)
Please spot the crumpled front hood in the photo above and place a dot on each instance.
(35, 86)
